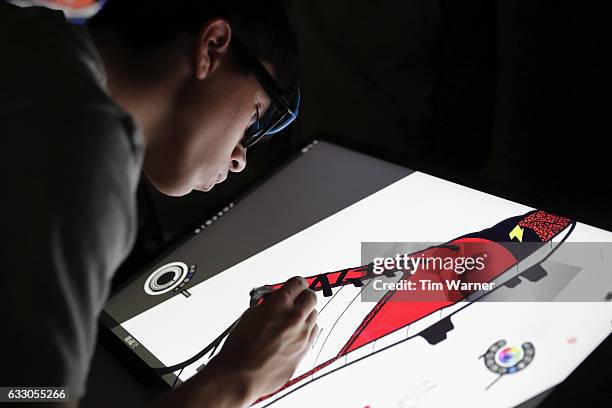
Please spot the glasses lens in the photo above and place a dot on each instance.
(275, 119)
(284, 106)
(263, 127)
(252, 134)
(281, 116)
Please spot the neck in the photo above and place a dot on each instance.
(143, 84)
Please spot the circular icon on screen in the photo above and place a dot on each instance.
(166, 278)
(509, 356)
(502, 358)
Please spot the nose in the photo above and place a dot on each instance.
(238, 159)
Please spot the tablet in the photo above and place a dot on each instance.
(506, 332)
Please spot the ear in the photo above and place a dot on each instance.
(212, 44)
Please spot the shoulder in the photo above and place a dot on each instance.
(50, 64)
(55, 105)
(67, 147)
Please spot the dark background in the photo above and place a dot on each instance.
(508, 97)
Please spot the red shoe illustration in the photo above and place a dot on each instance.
(513, 247)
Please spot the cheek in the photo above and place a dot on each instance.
(215, 140)
(173, 164)
(201, 137)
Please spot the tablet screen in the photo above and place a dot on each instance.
(497, 340)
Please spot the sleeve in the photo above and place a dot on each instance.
(69, 221)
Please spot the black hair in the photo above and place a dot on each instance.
(262, 26)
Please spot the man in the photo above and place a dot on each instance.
(181, 88)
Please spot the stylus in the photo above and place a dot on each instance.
(260, 293)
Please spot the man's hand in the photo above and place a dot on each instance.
(260, 354)
(270, 340)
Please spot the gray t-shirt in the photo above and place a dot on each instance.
(70, 161)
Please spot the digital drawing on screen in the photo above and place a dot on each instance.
(342, 307)
(493, 335)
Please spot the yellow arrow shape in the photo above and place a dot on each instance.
(517, 233)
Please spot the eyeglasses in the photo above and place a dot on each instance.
(284, 106)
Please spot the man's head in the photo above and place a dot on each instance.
(214, 95)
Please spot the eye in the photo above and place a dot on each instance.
(255, 117)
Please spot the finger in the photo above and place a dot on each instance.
(311, 320)
(313, 335)
(305, 302)
(289, 291)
